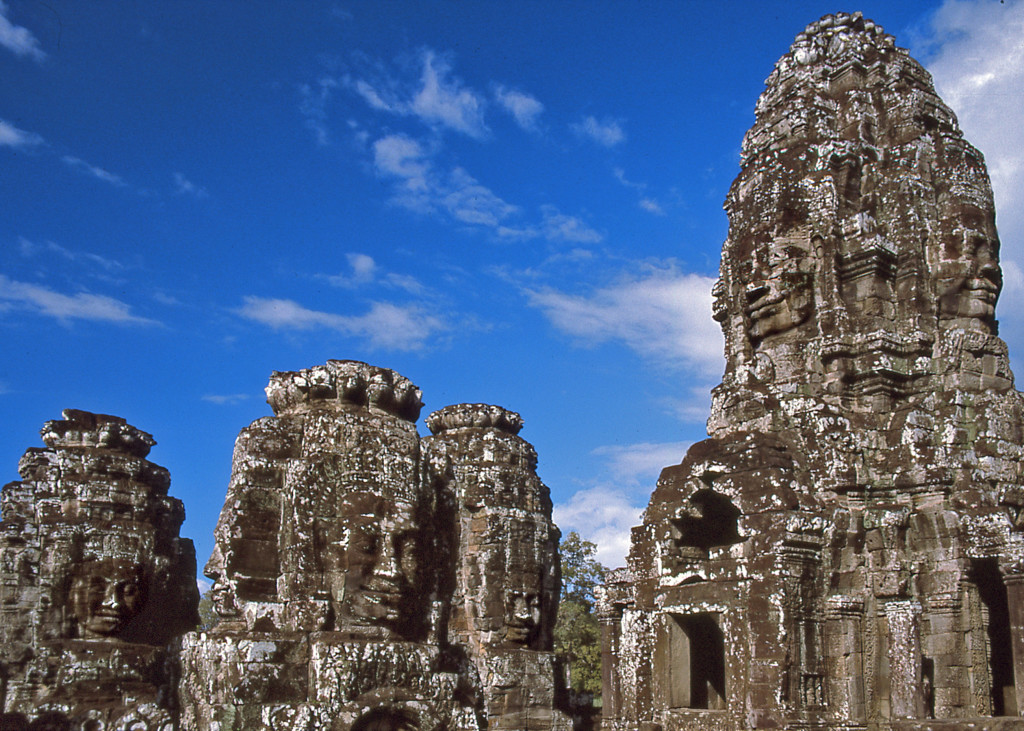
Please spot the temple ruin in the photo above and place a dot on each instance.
(845, 550)
(369, 579)
(94, 581)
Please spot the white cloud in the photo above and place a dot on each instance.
(664, 316)
(97, 172)
(225, 400)
(386, 326)
(524, 108)
(979, 71)
(184, 186)
(560, 227)
(438, 100)
(313, 107)
(446, 101)
(470, 202)
(11, 136)
(601, 515)
(81, 306)
(607, 132)
(640, 464)
(422, 188)
(364, 271)
(30, 249)
(402, 157)
(651, 206)
(17, 39)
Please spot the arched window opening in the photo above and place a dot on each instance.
(710, 520)
(386, 719)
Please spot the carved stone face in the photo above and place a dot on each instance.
(221, 594)
(105, 596)
(968, 276)
(378, 569)
(777, 294)
(522, 617)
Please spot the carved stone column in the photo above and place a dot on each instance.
(844, 616)
(904, 622)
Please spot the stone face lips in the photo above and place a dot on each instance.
(366, 578)
(95, 580)
(846, 549)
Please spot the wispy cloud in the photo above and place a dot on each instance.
(386, 326)
(81, 306)
(184, 186)
(226, 400)
(664, 316)
(651, 206)
(561, 227)
(17, 39)
(313, 106)
(439, 99)
(99, 173)
(30, 249)
(640, 464)
(422, 188)
(607, 132)
(524, 108)
(603, 515)
(11, 136)
(364, 271)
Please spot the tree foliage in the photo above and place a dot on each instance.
(577, 632)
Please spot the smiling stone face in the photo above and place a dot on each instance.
(777, 282)
(375, 575)
(105, 596)
(968, 277)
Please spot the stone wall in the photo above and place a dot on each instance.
(845, 550)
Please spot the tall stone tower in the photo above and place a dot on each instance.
(94, 581)
(344, 569)
(846, 548)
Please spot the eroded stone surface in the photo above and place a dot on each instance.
(95, 580)
(368, 579)
(845, 550)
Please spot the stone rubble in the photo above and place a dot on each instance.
(845, 550)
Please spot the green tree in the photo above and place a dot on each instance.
(207, 616)
(577, 632)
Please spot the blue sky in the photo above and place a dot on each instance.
(507, 202)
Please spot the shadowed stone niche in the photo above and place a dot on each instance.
(339, 563)
(94, 581)
(846, 549)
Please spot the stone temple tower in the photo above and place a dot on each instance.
(845, 550)
(370, 580)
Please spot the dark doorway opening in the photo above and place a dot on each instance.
(992, 592)
(697, 662)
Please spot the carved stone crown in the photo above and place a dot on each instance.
(341, 383)
(462, 416)
(84, 429)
